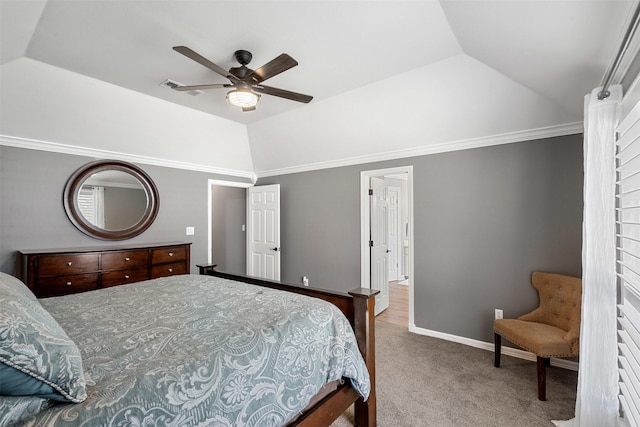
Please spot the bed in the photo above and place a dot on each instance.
(190, 350)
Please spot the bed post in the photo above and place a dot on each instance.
(364, 328)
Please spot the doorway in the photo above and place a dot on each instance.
(386, 206)
(226, 210)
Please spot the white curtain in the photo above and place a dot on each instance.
(597, 402)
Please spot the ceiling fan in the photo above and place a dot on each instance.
(247, 83)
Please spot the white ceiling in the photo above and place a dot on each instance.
(558, 49)
(390, 78)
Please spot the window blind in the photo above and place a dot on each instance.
(90, 202)
(628, 263)
(86, 205)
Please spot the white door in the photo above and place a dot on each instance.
(393, 197)
(263, 231)
(379, 244)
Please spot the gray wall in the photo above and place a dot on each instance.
(485, 219)
(123, 207)
(320, 227)
(32, 215)
(229, 206)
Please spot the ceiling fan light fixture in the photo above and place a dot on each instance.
(243, 98)
(246, 83)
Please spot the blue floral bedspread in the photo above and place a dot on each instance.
(201, 351)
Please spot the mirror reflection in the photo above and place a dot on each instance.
(112, 200)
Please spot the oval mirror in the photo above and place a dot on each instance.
(111, 200)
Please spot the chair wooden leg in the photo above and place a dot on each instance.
(497, 339)
(542, 377)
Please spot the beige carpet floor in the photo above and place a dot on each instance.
(424, 381)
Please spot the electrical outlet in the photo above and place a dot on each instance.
(305, 280)
(498, 313)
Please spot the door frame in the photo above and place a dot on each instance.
(210, 184)
(365, 226)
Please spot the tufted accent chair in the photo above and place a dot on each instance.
(552, 329)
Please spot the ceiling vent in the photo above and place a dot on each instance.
(173, 84)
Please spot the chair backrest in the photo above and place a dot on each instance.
(560, 299)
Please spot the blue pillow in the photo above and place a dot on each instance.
(17, 383)
(12, 286)
(35, 345)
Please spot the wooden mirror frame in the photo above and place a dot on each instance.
(78, 178)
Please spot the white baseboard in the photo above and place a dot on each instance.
(508, 351)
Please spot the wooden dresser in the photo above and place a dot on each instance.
(54, 272)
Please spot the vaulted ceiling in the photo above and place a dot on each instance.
(417, 72)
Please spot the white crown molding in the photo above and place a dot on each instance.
(34, 144)
(505, 138)
(508, 351)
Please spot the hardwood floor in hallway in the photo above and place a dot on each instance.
(398, 311)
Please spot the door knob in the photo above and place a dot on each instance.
(275, 249)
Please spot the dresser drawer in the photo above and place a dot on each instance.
(168, 270)
(54, 272)
(115, 278)
(63, 285)
(56, 265)
(162, 255)
(124, 260)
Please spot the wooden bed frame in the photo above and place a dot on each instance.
(358, 306)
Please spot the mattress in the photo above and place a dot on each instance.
(196, 350)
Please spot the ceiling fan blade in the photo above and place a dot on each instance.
(268, 90)
(272, 68)
(204, 61)
(200, 87)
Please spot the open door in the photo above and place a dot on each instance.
(373, 202)
(379, 243)
(395, 235)
(263, 231)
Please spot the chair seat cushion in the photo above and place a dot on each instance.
(539, 338)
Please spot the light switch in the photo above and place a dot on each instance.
(243, 227)
(191, 231)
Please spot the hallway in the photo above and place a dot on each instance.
(398, 311)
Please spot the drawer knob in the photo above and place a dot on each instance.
(68, 283)
(127, 259)
(170, 253)
(126, 276)
(69, 263)
(171, 270)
